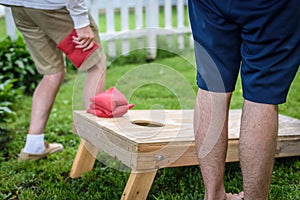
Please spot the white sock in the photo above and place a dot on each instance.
(34, 144)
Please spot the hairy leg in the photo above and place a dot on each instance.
(211, 135)
(42, 101)
(94, 81)
(259, 129)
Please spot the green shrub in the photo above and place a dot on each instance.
(8, 97)
(8, 102)
(16, 63)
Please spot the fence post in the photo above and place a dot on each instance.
(168, 14)
(10, 24)
(125, 26)
(110, 28)
(180, 22)
(151, 27)
(138, 11)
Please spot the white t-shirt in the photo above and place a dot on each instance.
(77, 8)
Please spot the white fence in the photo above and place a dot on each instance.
(1, 11)
(141, 21)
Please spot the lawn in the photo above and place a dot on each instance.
(170, 86)
(2, 29)
(48, 178)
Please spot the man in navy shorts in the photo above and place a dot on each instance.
(260, 40)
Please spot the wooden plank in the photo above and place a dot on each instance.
(288, 146)
(177, 125)
(155, 156)
(115, 145)
(84, 160)
(147, 149)
(144, 148)
(161, 156)
(138, 185)
(288, 126)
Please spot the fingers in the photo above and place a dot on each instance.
(83, 43)
(84, 39)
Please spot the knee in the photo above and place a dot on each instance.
(103, 59)
(56, 78)
(102, 63)
(100, 67)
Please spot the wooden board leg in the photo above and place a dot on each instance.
(84, 160)
(138, 185)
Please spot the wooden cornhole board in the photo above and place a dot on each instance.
(145, 149)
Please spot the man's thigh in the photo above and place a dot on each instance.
(217, 46)
(270, 50)
(43, 30)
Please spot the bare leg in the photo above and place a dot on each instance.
(86, 154)
(259, 129)
(42, 101)
(211, 135)
(94, 81)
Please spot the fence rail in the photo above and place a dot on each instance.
(152, 18)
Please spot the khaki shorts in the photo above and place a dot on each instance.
(43, 30)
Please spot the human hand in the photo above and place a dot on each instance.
(85, 38)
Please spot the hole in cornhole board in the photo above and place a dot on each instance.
(147, 123)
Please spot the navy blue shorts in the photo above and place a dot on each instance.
(260, 37)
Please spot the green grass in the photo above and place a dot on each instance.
(2, 28)
(49, 178)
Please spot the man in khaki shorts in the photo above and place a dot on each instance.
(44, 25)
